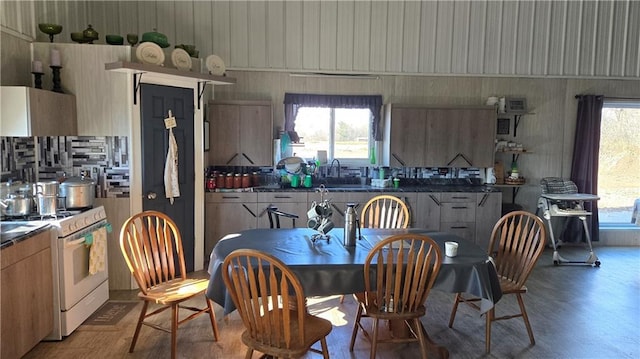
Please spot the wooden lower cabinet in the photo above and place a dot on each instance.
(26, 295)
(469, 215)
(458, 214)
(488, 212)
(228, 213)
(289, 202)
(427, 211)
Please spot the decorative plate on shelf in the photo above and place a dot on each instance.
(181, 59)
(215, 65)
(150, 53)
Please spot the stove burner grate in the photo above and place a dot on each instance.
(37, 217)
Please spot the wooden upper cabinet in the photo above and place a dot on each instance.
(442, 136)
(240, 133)
(29, 111)
(461, 137)
(407, 137)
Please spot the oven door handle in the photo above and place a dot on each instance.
(74, 242)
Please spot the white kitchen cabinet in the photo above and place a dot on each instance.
(289, 202)
(488, 212)
(228, 212)
(30, 112)
(241, 133)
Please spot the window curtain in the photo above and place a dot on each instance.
(584, 165)
(293, 101)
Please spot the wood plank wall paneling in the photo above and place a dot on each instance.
(293, 35)
(328, 44)
(361, 36)
(345, 34)
(117, 210)
(460, 50)
(275, 35)
(257, 41)
(632, 49)
(585, 38)
(310, 36)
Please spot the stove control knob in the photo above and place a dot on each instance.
(72, 226)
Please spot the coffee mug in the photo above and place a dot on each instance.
(314, 211)
(325, 226)
(451, 248)
(325, 210)
(295, 181)
(314, 223)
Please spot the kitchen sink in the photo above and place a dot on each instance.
(350, 187)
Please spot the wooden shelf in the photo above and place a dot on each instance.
(513, 151)
(138, 68)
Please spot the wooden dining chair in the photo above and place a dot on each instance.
(272, 305)
(152, 247)
(398, 275)
(517, 241)
(385, 211)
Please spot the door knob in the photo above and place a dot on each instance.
(151, 195)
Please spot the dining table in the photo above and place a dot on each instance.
(326, 267)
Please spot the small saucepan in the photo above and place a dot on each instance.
(16, 205)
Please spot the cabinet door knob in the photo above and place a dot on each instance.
(151, 195)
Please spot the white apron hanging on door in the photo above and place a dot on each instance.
(171, 183)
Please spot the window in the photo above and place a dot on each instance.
(343, 125)
(619, 161)
(343, 132)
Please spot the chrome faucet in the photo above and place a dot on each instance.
(331, 167)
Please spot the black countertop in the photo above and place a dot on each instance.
(368, 188)
(14, 232)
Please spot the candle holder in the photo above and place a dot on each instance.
(37, 79)
(56, 79)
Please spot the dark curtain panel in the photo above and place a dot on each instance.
(584, 166)
(293, 101)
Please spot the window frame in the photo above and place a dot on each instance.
(331, 151)
(615, 104)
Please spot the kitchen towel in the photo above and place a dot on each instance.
(171, 183)
(98, 251)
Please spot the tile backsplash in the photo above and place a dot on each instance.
(105, 159)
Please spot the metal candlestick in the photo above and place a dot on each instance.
(38, 79)
(56, 79)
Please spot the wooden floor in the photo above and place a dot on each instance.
(576, 311)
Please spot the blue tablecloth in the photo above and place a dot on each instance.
(329, 268)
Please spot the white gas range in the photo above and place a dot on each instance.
(76, 293)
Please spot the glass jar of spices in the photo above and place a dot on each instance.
(237, 181)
